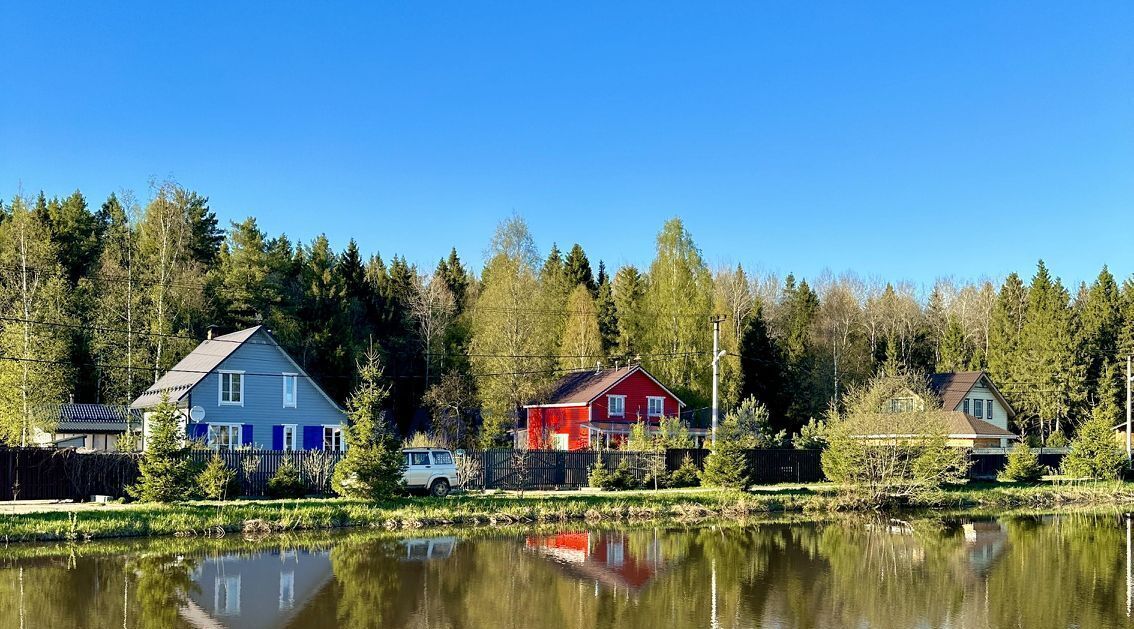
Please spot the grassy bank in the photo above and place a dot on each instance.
(203, 519)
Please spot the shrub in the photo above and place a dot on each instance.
(1094, 452)
(286, 482)
(373, 465)
(216, 481)
(727, 465)
(686, 475)
(1056, 440)
(911, 456)
(812, 436)
(1023, 465)
(600, 477)
(164, 466)
(623, 477)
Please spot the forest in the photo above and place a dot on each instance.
(99, 299)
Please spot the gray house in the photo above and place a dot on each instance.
(88, 427)
(243, 390)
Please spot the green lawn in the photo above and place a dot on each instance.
(80, 522)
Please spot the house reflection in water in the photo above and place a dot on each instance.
(985, 541)
(607, 558)
(255, 590)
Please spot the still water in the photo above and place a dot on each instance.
(1050, 571)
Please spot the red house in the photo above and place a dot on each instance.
(601, 404)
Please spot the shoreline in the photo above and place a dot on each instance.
(83, 521)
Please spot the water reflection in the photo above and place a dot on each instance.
(1053, 571)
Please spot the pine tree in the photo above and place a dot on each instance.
(607, 312)
(955, 353)
(577, 270)
(629, 291)
(165, 468)
(373, 465)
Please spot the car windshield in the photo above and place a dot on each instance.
(442, 458)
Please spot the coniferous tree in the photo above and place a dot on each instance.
(607, 312)
(165, 470)
(798, 310)
(955, 353)
(577, 270)
(373, 465)
(629, 291)
(1099, 314)
(1005, 327)
(764, 371)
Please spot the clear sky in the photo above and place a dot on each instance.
(907, 140)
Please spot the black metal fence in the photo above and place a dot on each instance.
(41, 474)
(985, 466)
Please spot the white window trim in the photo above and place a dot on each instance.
(609, 407)
(342, 440)
(220, 388)
(237, 428)
(650, 398)
(295, 400)
(294, 437)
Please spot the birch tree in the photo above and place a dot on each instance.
(432, 307)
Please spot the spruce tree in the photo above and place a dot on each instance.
(577, 270)
(164, 466)
(607, 312)
(1099, 313)
(955, 350)
(629, 290)
(373, 464)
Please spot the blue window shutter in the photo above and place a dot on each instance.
(246, 434)
(198, 431)
(312, 437)
(277, 437)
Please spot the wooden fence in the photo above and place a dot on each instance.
(41, 474)
(986, 465)
(254, 468)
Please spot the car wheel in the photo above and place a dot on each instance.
(439, 488)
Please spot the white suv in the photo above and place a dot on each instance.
(430, 469)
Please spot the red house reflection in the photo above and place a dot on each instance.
(605, 557)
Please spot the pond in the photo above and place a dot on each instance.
(1036, 571)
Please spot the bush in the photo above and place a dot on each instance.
(600, 477)
(1094, 452)
(165, 471)
(216, 481)
(1056, 440)
(1023, 465)
(812, 436)
(686, 475)
(286, 482)
(623, 477)
(727, 466)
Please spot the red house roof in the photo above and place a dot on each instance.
(579, 388)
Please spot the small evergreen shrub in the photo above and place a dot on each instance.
(685, 476)
(623, 476)
(166, 475)
(1023, 465)
(216, 481)
(600, 477)
(1095, 453)
(1057, 440)
(286, 482)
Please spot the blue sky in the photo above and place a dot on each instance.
(895, 139)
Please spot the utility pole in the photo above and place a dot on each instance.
(1128, 378)
(717, 354)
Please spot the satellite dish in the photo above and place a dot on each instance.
(196, 413)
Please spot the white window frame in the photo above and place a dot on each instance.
(661, 406)
(978, 408)
(560, 441)
(988, 409)
(294, 430)
(610, 405)
(965, 408)
(211, 436)
(220, 388)
(294, 379)
(342, 444)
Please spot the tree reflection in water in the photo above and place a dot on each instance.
(1052, 571)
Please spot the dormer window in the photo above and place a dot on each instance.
(902, 405)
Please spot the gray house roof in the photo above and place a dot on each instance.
(194, 367)
(92, 417)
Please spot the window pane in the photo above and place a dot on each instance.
(419, 458)
(442, 458)
(988, 415)
(236, 387)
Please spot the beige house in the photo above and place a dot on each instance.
(976, 415)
